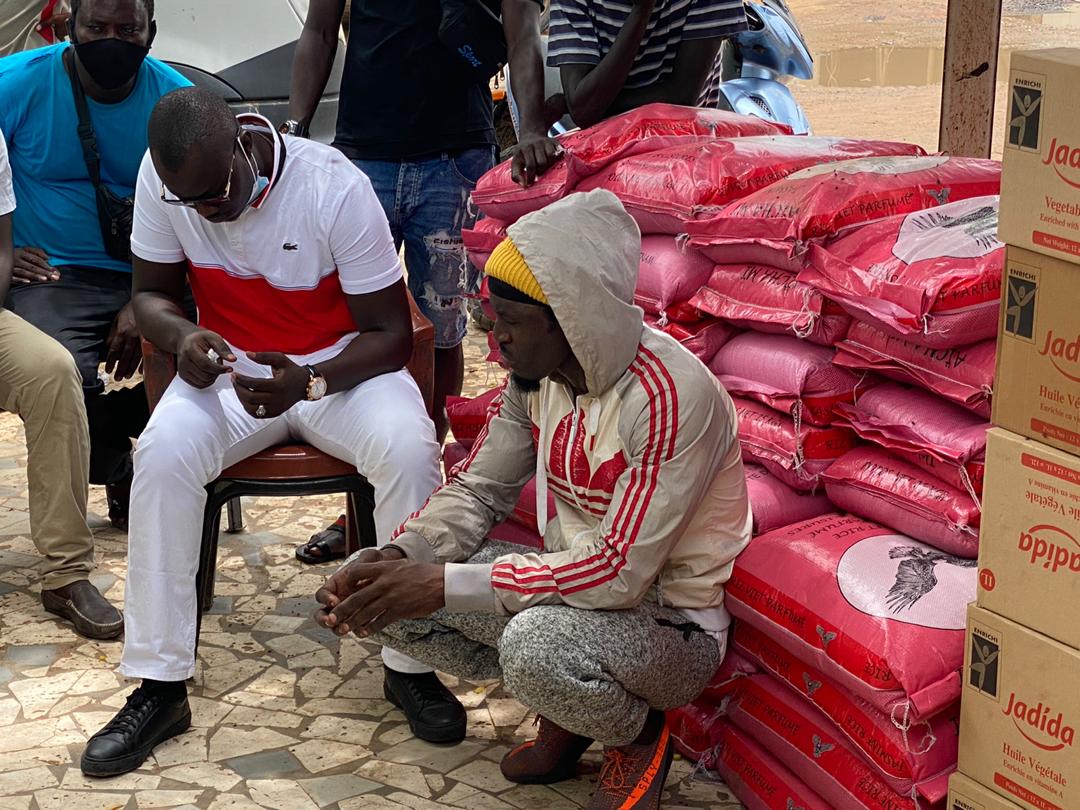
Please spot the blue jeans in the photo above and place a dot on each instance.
(427, 203)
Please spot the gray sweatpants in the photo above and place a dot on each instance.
(593, 672)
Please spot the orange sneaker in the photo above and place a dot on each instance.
(633, 775)
(551, 757)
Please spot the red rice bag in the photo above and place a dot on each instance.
(880, 614)
(694, 730)
(483, 238)
(774, 504)
(468, 416)
(787, 374)
(494, 354)
(734, 666)
(666, 190)
(768, 299)
(525, 511)
(756, 778)
(797, 456)
(690, 724)
(485, 302)
(703, 339)
(932, 276)
(644, 129)
(774, 225)
(904, 754)
(453, 454)
(498, 196)
(816, 751)
(658, 126)
(941, 438)
(668, 274)
(873, 484)
(964, 374)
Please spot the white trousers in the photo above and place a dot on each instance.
(381, 426)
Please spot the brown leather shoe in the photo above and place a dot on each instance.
(551, 757)
(84, 606)
(633, 775)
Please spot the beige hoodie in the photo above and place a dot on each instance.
(645, 467)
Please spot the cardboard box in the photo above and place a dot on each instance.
(967, 794)
(1029, 548)
(1040, 183)
(1020, 712)
(1037, 382)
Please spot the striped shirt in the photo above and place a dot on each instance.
(583, 31)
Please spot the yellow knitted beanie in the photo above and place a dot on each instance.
(509, 266)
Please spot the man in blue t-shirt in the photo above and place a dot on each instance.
(65, 281)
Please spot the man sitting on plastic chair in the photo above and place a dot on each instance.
(304, 332)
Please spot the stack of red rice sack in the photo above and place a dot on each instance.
(853, 637)
(846, 293)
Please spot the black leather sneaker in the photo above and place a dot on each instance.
(434, 714)
(149, 717)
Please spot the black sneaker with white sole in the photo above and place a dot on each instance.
(149, 717)
(434, 714)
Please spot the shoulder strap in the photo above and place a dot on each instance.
(91, 156)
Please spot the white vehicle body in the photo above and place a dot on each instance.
(243, 50)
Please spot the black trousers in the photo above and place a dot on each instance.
(78, 311)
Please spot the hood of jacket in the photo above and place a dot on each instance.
(585, 251)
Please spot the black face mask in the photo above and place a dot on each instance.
(111, 63)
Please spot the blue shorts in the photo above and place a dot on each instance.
(427, 203)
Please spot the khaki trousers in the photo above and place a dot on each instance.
(18, 19)
(40, 383)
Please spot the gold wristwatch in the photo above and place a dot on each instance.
(316, 387)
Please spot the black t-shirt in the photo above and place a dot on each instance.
(403, 93)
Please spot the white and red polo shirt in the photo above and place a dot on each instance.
(276, 278)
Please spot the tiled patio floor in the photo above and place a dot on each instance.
(286, 714)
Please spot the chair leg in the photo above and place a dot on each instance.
(206, 595)
(362, 498)
(235, 512)
(204, 580)
(352, 527)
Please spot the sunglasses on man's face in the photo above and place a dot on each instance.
(169, 198)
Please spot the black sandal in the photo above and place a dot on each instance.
(329, 545)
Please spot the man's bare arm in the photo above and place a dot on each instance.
(314, 57)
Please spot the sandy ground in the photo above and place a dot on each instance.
(879, 64)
